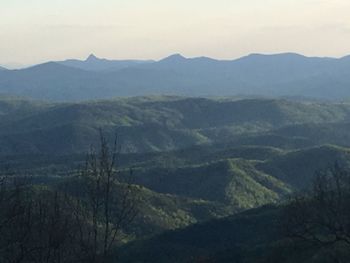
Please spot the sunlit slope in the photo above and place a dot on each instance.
(166, 123)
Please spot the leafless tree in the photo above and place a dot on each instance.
(36, 224)
(322, 216)
(44, 225)
(111, 203)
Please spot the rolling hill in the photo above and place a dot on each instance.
(238, 238)
(232, 182)
(164, 123)
(254, 236)
(210, 175)
(297, 168)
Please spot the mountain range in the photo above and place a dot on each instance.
(147, 124)
(276, 75)
(211, 176)
(92, 63)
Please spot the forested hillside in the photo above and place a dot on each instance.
(194, 166)
(168, 123)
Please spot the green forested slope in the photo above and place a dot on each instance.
(193, 160)
(166, 123)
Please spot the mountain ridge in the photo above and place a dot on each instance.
(169, 123)
(92, 57)
(286, 74)
(94, 63)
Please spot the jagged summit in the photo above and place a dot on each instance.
(92, 57)
(174, 57)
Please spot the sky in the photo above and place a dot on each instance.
(34, 31)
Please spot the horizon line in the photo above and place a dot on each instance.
(17, 66)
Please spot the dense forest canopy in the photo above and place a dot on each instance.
(169, 179)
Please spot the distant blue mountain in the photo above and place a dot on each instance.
(285, 74)
(92, 63)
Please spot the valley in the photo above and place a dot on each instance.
(194, 161)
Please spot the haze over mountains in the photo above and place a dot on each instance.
(92, 63)
(263, 75)
(169, 123)
(197, 164)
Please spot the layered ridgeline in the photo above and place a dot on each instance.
(169, 123)
(253, 236)
(198, 165)
(276, 75)
(248, 237)
(194, 159)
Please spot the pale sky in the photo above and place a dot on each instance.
(33, 31)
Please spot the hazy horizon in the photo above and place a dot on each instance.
(84, 58)
(34, 31)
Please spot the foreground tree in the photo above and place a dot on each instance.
(111, 204)
(36, 224)
(57, 224)
(321, 217)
